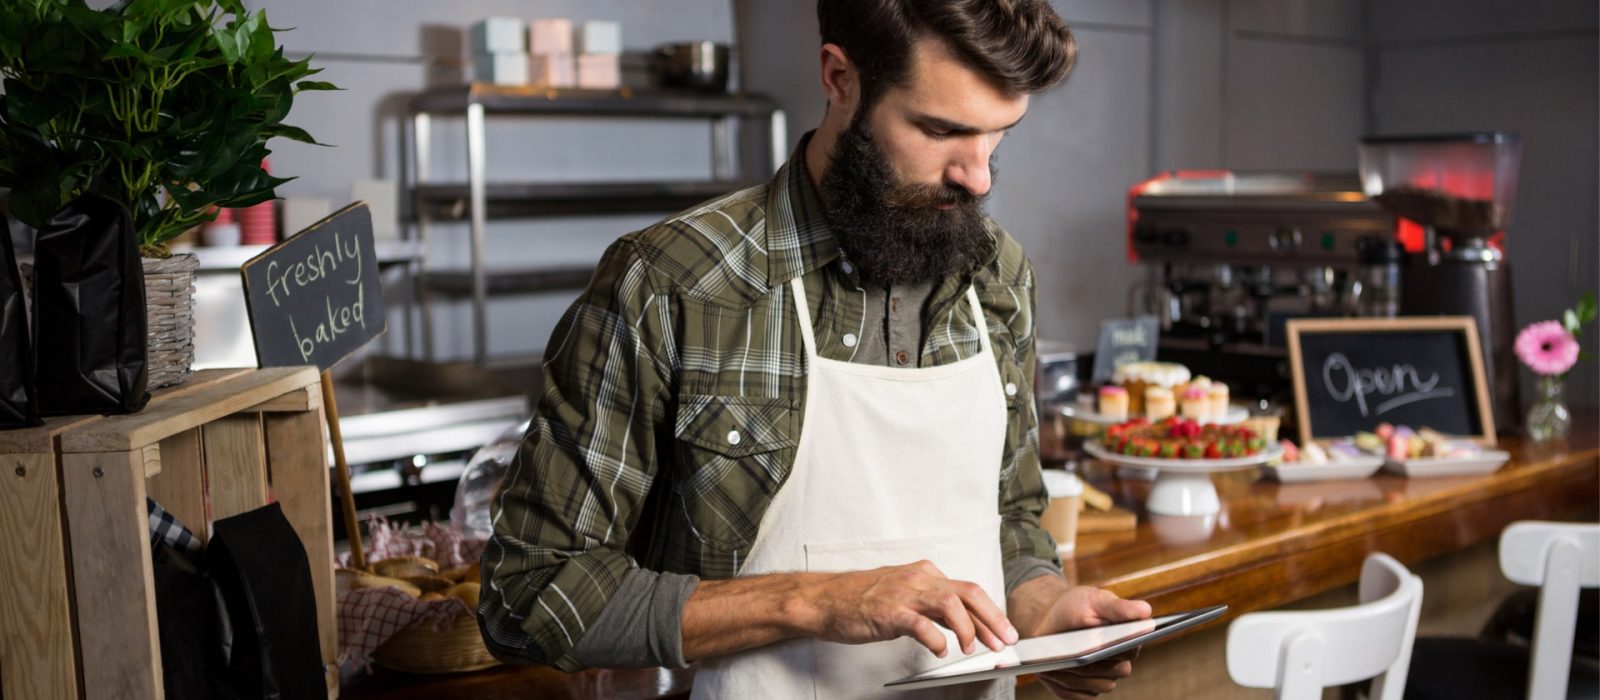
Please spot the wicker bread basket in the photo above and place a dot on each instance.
(421, 649)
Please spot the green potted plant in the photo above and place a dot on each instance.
(163, 105)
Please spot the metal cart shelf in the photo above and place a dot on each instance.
(477, 200)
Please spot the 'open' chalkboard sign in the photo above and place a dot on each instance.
(316, 297)
(1352, 374)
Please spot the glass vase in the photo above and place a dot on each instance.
(1548, 417)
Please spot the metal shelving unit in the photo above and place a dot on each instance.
(477, 200)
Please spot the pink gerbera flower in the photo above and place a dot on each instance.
(1547, 348)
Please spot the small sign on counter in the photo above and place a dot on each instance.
(316, 298)
(1352, 374)
(1123, 341)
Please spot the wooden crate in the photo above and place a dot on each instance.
(77, 611)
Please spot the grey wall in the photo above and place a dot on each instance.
(379, 52)
(1529, 67)
(1159, 84)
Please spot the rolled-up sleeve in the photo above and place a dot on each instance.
(1026, 549)
(579, 481)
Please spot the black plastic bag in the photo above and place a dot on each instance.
(186, 613)
(89, 311)
(258, 563)
(19, 406)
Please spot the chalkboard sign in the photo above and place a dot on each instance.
(1352, 374)
(1123, 341)
(316, 297)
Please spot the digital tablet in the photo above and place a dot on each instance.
(1058, 651)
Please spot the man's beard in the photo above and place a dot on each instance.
(892, 231)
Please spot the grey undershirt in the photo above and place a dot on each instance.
(641, 625)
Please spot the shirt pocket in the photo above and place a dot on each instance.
(733, 453)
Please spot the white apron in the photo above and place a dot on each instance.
(894, 465)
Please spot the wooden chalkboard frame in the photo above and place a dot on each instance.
(1464, 325)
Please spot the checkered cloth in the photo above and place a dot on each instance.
(445, 544)
(368, 617)
(164, 527)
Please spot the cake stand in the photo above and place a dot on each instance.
(1183, 486)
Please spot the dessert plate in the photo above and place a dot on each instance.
(1486, 462)
(1356, 468)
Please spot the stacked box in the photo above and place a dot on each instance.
(550, 58)
(499, 51)
(599, 57)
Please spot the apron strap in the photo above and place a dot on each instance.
(979, 320)
(803, 309)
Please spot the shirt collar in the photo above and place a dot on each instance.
(799, 239)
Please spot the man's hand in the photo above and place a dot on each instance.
(1047, 604)
(852, 607)
(857, 607)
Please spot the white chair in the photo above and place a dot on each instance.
(1560, 558)
(1301, 652)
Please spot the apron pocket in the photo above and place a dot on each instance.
(860, 670)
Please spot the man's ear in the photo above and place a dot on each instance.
(841, 83)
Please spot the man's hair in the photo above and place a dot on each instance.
(1022, 46)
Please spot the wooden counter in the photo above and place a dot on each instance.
(1273, 544)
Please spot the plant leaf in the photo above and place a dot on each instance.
(1586, 308)
(1569, 320)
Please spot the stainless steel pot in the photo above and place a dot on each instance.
(699, 65)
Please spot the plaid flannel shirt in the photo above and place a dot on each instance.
(686, 333)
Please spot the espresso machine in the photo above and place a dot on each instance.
(1228, 257)
(1459, 189)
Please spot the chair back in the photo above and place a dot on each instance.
(1301, 652)
(1559, 558)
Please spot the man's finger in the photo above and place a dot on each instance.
(927, 634)
(988, 613)
(948, 607)
(1110, 669)
(1115, 609)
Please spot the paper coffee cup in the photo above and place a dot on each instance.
(1060, 517)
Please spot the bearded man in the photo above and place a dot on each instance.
(788, 435)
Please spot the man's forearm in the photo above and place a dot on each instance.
(1030, 604)
(730, 615)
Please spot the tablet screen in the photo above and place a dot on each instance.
(1058, 651)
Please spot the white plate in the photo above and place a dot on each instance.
(1095, 449)
(1486, 462)
(1354, 468)
(1236, 415)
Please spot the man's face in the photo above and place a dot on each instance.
(905, 184)
(942, 127)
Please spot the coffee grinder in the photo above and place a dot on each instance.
(1459, 189)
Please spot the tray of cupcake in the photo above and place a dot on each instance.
(1155, 391)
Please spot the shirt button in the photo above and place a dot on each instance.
(1011, 389)
(849, 340)
(847, 267)
(734, 437)
(901, 357)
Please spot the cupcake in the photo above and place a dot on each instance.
(1159, 403)
(1218, 396)
(1114, 403)
(1195, 404)
(1136, 377)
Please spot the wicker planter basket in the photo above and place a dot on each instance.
(169, 309)
(169, 316)
(421, 649)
